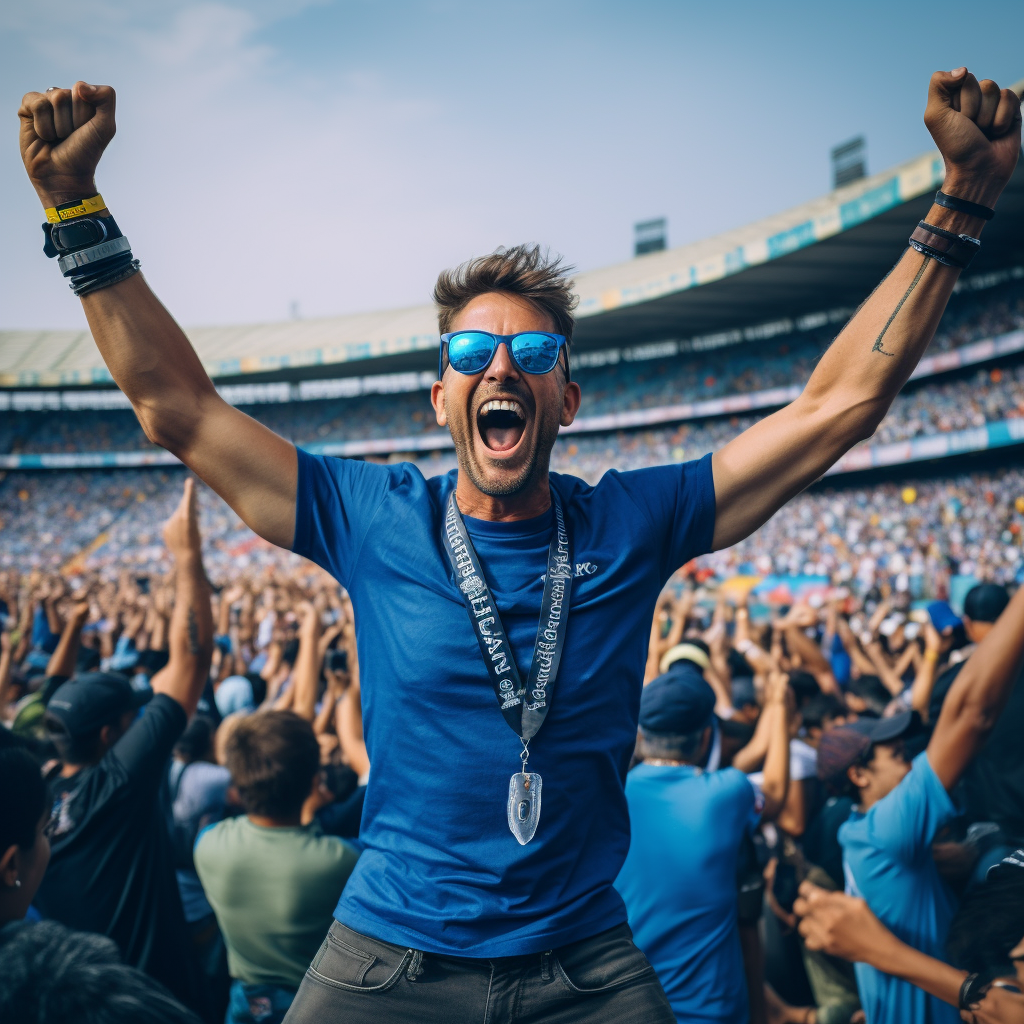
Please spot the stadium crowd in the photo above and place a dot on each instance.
(930, 407)
(204, 766)
(908, 538)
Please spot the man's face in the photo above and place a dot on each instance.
(887, 768)
(503, 450)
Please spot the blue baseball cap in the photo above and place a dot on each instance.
(678, 702)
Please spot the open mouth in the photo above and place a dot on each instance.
(501, 423)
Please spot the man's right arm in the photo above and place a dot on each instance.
(63, 135)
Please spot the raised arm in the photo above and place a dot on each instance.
(977, 129)
(65, 655)
(776, 763)
(63, 135)
(306, 673)
(978, 696)
(190, 638)
(811, 655)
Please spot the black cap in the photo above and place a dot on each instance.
(884, 730)
(678, 702)
(985, 602)
(90, 701)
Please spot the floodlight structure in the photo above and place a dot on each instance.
(649, 236)
(849, 162)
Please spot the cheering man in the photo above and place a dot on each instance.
(501, 691)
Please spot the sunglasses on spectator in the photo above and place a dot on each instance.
(471, 352)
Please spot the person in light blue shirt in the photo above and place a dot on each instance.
(902, 804)
(679, 880)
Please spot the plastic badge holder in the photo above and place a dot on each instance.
(524, 805)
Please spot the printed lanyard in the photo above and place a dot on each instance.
(524, 708)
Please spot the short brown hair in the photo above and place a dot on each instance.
(524, 270)
(273, 757)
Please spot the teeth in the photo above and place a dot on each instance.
(502, 405)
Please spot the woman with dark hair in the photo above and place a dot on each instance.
(24, 848)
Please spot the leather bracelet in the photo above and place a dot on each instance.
(105, 280)
(968, 991)
(944, 246)
(84, 257)
(963, 206)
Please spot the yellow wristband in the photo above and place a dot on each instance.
(931, 654)
(76, 208)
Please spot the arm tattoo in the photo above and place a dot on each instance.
(877, 347)
(194, 647)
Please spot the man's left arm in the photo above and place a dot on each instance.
(976, 127)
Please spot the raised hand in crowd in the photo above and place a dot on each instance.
(190, 637)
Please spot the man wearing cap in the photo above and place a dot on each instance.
(111, 870)
(901, 805)
(679, 879)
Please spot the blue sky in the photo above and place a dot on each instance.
(338, 154)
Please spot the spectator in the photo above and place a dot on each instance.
(887, 840)
(199, 794)
(679, 881)
(993, 785)
(984, 976)
(24, 848)
(273, 882)
(111, 869)
(51, 974)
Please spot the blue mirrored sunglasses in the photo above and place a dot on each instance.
(472, 351)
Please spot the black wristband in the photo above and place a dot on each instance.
(927, 250)
(944, 246)
(78, 234)
(963, 206)
(969, 993)
(105, 278)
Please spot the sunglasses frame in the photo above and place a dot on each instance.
(506, 339)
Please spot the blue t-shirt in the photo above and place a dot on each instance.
(441, 871)
(680, 888)
(887, 859)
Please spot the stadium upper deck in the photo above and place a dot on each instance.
(824, 254)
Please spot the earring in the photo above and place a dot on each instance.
(17, 883)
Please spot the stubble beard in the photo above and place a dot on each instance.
(535, 465)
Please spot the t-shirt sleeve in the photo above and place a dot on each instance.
(905, 822)
(335, 503)
(143, 751)
(679, 503)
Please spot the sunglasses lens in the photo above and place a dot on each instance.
(535, 353)
(470, 351)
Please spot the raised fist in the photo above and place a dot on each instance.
(63, 135)
(976, 126)
(181, 531)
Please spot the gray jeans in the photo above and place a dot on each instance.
(360, 980)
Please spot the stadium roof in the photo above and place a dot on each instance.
(823, 254)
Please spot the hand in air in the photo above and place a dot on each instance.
(976, 126)
(63, 135)
(181, 531)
